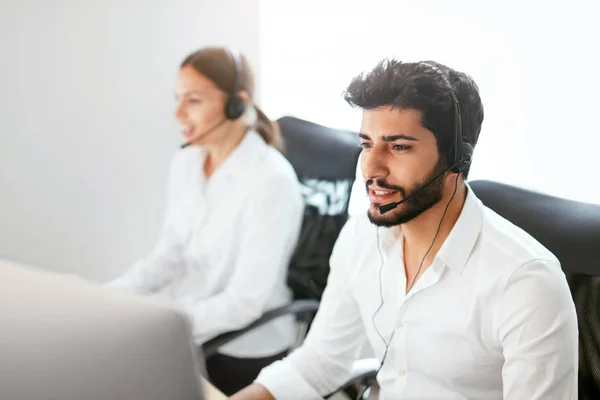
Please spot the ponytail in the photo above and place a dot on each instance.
(268, 130)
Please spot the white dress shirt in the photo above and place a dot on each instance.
(226, 243)
(492, 318)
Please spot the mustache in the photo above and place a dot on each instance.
(384, 185)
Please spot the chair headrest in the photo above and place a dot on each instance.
(569, 229)
(316, 151)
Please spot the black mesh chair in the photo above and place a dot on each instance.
(570, 230)
(325, 162)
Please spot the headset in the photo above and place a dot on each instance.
(462, 151)
(461, 159)
(234, 106)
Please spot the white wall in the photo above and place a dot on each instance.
(86, 127)
(534, 61)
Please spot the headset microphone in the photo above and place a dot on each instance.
(188, 143)
(390, 206)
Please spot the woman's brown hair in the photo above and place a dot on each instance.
(218, 65)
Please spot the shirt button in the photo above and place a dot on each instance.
(400, 324)
(402, 372)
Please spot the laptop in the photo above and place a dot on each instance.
(62, 338)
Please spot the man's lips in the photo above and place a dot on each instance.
(382, 196)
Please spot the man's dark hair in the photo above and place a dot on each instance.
(418, 86)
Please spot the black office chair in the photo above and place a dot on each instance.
(325, 162)
(570, 230)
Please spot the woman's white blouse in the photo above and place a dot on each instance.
(226, 244)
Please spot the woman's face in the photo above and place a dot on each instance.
(200, 106)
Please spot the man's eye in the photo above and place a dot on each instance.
(366, 145)
(401, 147)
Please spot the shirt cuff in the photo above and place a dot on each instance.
(285, 383)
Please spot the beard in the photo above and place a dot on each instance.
(422, 201)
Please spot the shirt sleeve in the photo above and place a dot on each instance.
(324, 361)
(537, 328)
(163, 264)
(270, 230)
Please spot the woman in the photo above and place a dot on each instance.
(234, 211)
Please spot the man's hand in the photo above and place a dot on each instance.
(253, 392)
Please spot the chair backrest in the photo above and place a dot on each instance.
(325, 161)
(571, 230)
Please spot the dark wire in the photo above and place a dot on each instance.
(387, 344)
(380, 294)
(436, 234)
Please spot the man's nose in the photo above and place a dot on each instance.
(374, 165)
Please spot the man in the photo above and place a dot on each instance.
(457, 302)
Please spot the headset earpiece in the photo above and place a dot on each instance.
(465, 152)
(235, 106)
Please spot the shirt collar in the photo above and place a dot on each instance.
(243, 156)
(457, 247)
(462, 238)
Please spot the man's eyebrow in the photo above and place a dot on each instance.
(401, 136)
(390, 138)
